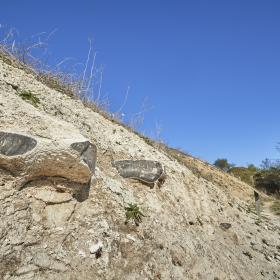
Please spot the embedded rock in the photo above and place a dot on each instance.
(87, 152)
(33, 157)
(58, 214)
(225, 226)
(96, 248)
(144, 170)
(51, 196)
(34, 145)
(12, 144)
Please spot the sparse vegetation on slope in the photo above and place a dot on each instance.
(30, 97)
(244, 174)
(275, 207)
(133, 213)
(55, 235)
(223, 164)
(268, 181)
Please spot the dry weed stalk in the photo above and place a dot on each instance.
(32, 55)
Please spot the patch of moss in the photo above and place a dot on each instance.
(30, 97)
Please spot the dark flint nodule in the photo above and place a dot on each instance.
(225, 226)
(13, 144)
(144, 170)
(87, 152)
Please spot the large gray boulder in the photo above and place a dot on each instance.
(32, 157)
(144, 170)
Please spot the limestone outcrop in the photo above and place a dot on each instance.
(69, 221)
(34, 146)
(33, 157)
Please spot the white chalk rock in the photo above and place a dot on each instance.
(95, 248)
(51, 196)
(34, 145)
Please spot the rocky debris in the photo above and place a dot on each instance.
(12, 144)
(176, 257)
(30, 268)
(225, 226)
(264, 241)
(277, 256)
(44, 261)
(269, 258)
(248, 254)
(96, 249)
(144, 170)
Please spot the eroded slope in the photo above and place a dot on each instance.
(47, 233)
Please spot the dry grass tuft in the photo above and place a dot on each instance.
(78, 87)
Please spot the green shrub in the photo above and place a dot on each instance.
(244, 174)
(30, 97)
(268, 181)
(223, 164)
(133, 213)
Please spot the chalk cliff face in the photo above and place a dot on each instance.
(70, 179)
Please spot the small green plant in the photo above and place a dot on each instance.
(133, 213)
(30, 97)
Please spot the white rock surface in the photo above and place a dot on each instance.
(51, 196)
(58, 214)
(94, 248)
(55, 153)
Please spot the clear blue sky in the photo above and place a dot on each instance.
(210, 69)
